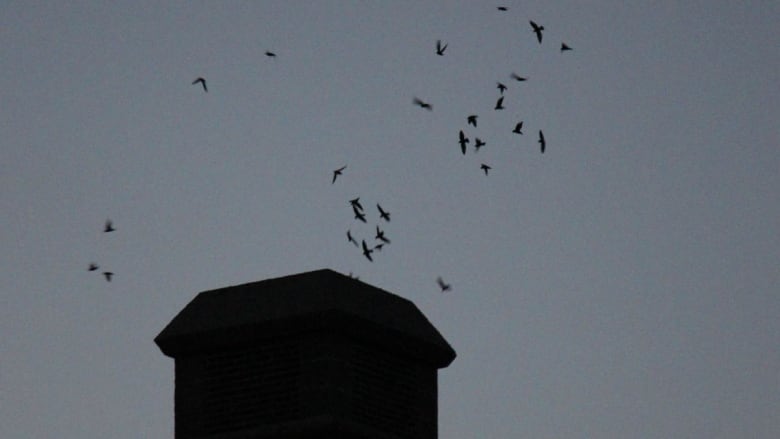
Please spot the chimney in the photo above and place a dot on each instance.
(311, 355)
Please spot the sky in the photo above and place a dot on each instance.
(623, 284)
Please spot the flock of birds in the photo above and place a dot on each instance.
(380, 240)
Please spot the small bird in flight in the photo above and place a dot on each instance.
(517, 77)
(270, 54)
(380, 235)
(499, 104)
(359, 215)
(501, 8)
(383, 214)
(485, 168)
(109, 227)
(355, 203)
(518, 128)
(107, 275)
(92, 267)
(472, 120)
(351, 239)
(379, 246)
(422, 104)
(541, 141)
(337, 172)
(463, 140)
(439, 48)
(367, 251)
(538, 31)
(202, 82)
(501, 87)
(565, 47)
(444, 287)
(478, 143)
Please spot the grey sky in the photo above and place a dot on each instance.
(624, 284)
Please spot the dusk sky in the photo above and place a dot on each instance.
(623, 284)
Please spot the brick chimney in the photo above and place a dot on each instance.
(312, 355)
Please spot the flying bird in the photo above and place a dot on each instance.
(538, 31)
(367, 251)
(92, 267)
(444, 287)
(564, 47)
(355, 203)
(351, 239)
(517, 77)
(109, 227)
(359, 215)
(383, 214)
(501, 8)
(499, 104)
(518, 128)
(380, 235)
(337, 172)
(472, 120)
(202, 82)
(107, 275)
(501, 87)
(422, 104)
(485, 168)
(463, 140)
(541, 141)
(270, 54)
(439, 48)
(478, 143)
(379, 247)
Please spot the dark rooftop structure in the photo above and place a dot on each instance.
(315, 354)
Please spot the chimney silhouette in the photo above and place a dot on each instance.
(311, 355)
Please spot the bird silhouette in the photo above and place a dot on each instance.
(202, 82)
(499, 104)
(380, 235)
(422, 104)
(565, 47)
(485, 168)
(359, 215)
(501, 87)
(108, 275)
(270, 54)
(351, 239)
(379, 246)
(383, 214)
(367, 251)
(92, 267)
(355, 203)
(517, 77)
(538, 31)
(501, 8)
(439, 48)
(444, 287)
(337, 172)
(542, 142)
(518, 128)
(109, 227)
(463, 140)
(478, 143)
(472, 120)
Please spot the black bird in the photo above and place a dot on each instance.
(485, 168)
(383, 214)
(538, 31)
(439, 48)
(499, 104)
(109, 227)
(202, 82)
(501, 8)
(337, 172)
(472, 120)
(356, 203)
(478, 143)
(463, 140)
(380, 235)
(92, 267)
(541, 140)
(422, 104)
(517, 77)
(367, 251)
(270, 54)
(359, 215)
(501, 87)
(518, 128)
(108, 275)
(379, 246)
(351, 239)
(444, 287)
(564, 47)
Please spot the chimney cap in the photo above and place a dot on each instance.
(305, 302)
